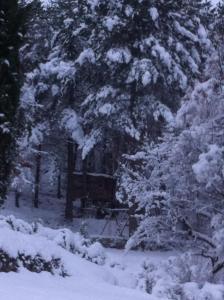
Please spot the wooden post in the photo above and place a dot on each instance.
(37, 178)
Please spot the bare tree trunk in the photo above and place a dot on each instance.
(37, 178)
(133, 102)
(17, 196)
(69, 188)
(132, 219)
(85, 186)
(59, 195)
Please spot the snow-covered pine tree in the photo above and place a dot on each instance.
(11, 19)
(50, 93)
(148, 178)
(70, 44)
(146, 54)
(34, 111)
(183, 175)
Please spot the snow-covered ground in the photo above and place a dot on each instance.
(119, 275)
(51, 212)
(115, 280)
(88, 281)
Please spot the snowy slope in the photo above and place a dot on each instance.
(26, 286)
(119, 276)
(87, 281)
(114, 280)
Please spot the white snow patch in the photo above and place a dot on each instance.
(111, 22)
(106, 109)
(119, 55)
(70, 122)
(154, 13)
(86, 55)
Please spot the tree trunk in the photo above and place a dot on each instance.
(85, 186)
(69, 188)
(59, 195)
(5, 163)
(132, 219)
(37, 178)
(17, 196)
(133, 102)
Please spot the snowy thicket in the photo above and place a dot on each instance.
(184, 277)
(18, 248)
(73, 242)
(177, 184)
(38, 248)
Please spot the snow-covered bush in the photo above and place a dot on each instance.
(37, 254)
(16, 224)
(65, 238)
(75, 243)
(184, 277)
(35, 263)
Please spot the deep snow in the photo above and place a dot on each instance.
(87, 281)
(118, 277)
(116, 280)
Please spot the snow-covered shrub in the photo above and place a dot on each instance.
(16, 224)
(35, 263)
(75, 243)
(7, 263)
(96, 253)
(183, 277)
(65, 238)
(34, 253)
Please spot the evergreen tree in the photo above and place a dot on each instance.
(158, 180)
(48, 100)
(146, 54)
(181, 196)
(11, 18)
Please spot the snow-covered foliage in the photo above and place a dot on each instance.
(209, 168)
(176, 185)
(75, 243)
(185, 277)
(71, 123)
(19, 248)
(65, 238)
(11, 36)
(129, 89)
(138, 71)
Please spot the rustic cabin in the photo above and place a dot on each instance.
(94, 185)
(94, 195)
(93, 191)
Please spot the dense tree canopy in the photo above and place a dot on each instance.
(10, 37)
(132, 89)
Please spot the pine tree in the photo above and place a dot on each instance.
(48, 100)
(147, 53)
(11, 18)
(148, 179)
